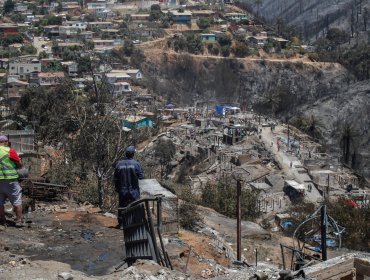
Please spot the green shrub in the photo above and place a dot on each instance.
(188, 215)
(222, 198)
(225, 51)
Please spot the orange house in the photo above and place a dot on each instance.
(7, 29)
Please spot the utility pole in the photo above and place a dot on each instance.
(288, 136)
(328, 187)
(239, 218)
(324, 256)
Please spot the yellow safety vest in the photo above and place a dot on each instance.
(7, 167)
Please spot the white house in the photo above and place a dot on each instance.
(71, 67)
(117, 76)
(101, 24)
(23, 69)
(258, 40)
(96, 6)
(135, 74)
(21, 7)
(68, 31)
(120, 88)
(78, 24)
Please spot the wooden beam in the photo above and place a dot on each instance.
(362, 267)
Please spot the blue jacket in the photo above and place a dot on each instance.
(127, 174)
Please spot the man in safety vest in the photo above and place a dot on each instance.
(9, 185)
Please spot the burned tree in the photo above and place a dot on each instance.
(164, 151)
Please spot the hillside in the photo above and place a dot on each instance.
(314, 17)
(288, 89)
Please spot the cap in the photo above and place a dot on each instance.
(3, 138)
(131, 149)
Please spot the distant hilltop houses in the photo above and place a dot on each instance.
(43, 45)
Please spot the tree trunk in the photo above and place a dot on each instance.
(101, 191)
(347, 144)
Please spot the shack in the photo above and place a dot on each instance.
(137, 122)
(233, 134)
(294, 190)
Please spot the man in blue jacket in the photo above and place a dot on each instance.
(126, 178)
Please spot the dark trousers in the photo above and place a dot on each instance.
(125, 197)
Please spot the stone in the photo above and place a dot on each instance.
(110, 215)
(65, 276)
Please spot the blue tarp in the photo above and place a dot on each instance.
(220, 110)
(287, 224)
(170, 106)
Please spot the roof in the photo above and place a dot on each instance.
(152, 187)
(4, 25)
(99, 40)
(52, 26)
(260, 37)
(74, 21)
(140, 15)
(82, 80)
(15, 81)
(117, 74)
(132, 71)
(100, 22)
(203, 12)
(70, 6)
(16, 45)
(261, 186)
(281, 39)
(134, 118)
(177, 13)
(121, 83)
(51, 75)
(295, 185)
(235, 14)
(68, 62)
(151, 114)
(110, 30)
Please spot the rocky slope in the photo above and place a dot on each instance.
(313, 17)
(289, 88)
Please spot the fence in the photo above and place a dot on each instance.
(21, 140)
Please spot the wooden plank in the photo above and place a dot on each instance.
(362, 267)
(332, 271)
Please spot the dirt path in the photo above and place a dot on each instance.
(288, 161)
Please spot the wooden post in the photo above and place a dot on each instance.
(238, 215)
(323, 233)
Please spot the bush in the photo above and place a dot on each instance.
(225, 51)
(215, 50)
(194, 44)
(188, 215)
(224, 40)
(241, 50)
(203, 23)
(313, 57)
(222, 198)
(155, 12)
